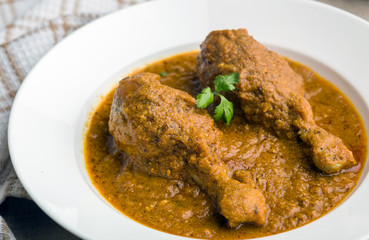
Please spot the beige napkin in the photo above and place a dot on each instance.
(28, 29)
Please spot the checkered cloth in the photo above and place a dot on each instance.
(28, 29)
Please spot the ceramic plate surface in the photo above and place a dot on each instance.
(48, 117)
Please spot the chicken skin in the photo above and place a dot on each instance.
(271, 94)
(164, 134)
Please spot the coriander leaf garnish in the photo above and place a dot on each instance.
(226, 83)
(225, 109)
(204, 98)
(222, 83)
(163, 74)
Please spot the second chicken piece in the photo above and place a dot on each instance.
(270, 93)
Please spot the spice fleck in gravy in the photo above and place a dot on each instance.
(296, 191)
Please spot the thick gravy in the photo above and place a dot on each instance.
(296, 192)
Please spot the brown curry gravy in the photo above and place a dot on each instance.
(296, 192)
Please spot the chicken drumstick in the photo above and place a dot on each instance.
(270, 93)
(164, 134)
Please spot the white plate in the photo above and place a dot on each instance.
(48, 118)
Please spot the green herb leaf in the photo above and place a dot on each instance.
(226, 83)
(223, 83)
(224, 110)
(163, 74)
(204, 98)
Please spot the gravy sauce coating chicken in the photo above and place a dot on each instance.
(165, 163)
